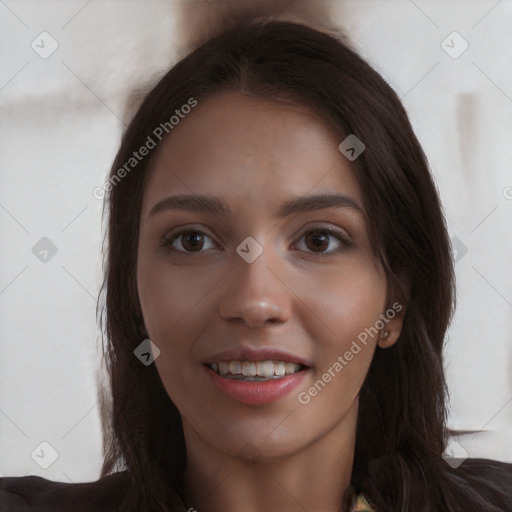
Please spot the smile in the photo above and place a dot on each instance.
(252, 371)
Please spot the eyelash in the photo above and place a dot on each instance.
(168, 240)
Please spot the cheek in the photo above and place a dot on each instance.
(345, 307)
(171, 305)
(349, 306)
(345, 301)
(169, 296)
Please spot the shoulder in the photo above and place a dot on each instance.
(432, 483)
(34, 493)
(490, 473)
(485, 483)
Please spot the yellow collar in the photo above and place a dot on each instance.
(361, 505)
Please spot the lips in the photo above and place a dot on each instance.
(256, 376)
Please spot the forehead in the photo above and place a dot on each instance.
(250, 150)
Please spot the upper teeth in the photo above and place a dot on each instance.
(252, 369)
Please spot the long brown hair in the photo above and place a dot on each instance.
(401, 431)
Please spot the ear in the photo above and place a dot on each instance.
(394, 318)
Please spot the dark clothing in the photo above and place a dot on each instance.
(37, 494)
(110, 493)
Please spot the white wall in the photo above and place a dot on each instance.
(60, 125)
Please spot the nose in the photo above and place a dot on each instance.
(255, 294)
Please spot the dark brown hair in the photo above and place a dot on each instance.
(401, 430)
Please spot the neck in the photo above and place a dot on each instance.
(315, 477)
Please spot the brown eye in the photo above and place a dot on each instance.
(187, 241)
(318, 240)
(192, 241)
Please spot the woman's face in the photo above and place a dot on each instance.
(253, 274)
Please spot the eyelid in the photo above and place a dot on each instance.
(315, 226)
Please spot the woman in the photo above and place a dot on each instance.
(278, 286)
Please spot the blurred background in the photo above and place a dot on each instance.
(72, 73)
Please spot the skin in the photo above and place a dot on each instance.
(255, 155)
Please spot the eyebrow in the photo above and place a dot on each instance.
(219, 208)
